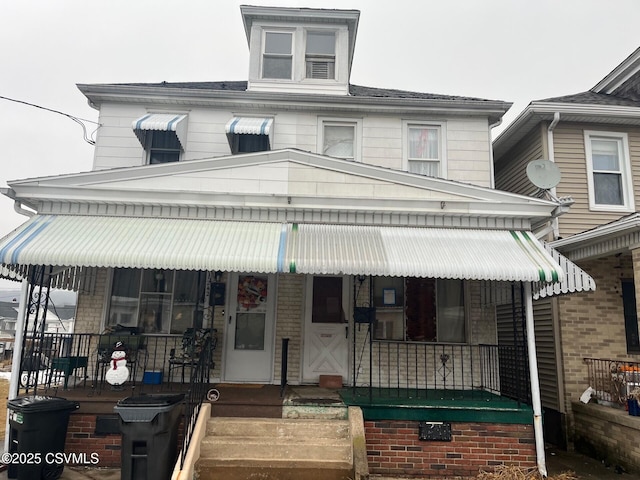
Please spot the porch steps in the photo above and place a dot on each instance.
(269, 448)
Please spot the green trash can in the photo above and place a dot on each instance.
(37, 427)
(149, 426)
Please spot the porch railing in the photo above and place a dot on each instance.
(612, 380)
(53, 361)
(197, 392)
(449, 371)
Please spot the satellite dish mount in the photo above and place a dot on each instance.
(544, 174)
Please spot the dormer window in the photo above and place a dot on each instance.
(320, 55)
(277, 58)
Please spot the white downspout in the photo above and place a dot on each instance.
(17, 353)
(552, 158)
(535, 384)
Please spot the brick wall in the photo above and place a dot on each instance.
(81, 438)
(89, 309)
(607, 434)
(592, 324)
(289, 322)
(393, 448)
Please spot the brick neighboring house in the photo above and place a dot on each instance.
(358, 223)
(593, 138)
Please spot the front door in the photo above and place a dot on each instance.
(326, 337)
(249, 331)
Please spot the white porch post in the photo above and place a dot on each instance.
(535, 384)
(14, 381)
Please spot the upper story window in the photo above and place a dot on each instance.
(249, 134)
(320, 55)
(609, 171)
(339, 138)
(162, 135)
(277, 56)
(163, 147)
(419, 309)
(424, 150)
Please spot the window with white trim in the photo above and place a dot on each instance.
(338, 138)
(320, 55)
(157, 301)
(419, 309)
(609, 171)
(277, 55)
(162, 147)
(423, 149)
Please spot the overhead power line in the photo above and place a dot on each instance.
(78, 120)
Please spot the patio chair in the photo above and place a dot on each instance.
(193, 341)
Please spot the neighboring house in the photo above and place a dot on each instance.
(593, 138)
(359, 223)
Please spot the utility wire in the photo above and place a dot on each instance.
(79, 121)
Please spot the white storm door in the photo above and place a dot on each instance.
(249, 329)
(326, 332)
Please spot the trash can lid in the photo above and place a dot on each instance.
(41, 403)
(151, 400)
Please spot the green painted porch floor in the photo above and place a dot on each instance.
(436, 405)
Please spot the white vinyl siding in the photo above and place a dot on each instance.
(608, 171)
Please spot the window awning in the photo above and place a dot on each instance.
(249, 126)
(196, 244)
(161, 122)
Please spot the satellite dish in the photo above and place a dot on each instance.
(543, 174)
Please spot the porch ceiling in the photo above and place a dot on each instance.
(195, 244)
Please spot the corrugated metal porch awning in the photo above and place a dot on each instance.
(168, 243)
(163, 122)
(419, 252)
(195, 244)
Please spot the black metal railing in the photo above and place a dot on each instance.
(198, 388)
(449, 371)
(155, 363)
(613, 381)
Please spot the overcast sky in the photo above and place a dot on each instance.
(512, 50)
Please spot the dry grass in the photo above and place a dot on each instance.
(4, 393)
(505, 472)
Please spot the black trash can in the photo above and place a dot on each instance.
(149, 426)
(37, 431)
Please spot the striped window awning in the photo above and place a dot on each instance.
(161, 122)
(199, 244)
(249, 126)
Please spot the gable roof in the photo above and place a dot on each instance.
(288, 181)
(614, 100)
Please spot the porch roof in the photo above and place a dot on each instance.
(270, 247)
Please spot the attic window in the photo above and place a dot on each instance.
(320, 55)
(277, 58)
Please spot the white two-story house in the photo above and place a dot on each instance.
(359, 223)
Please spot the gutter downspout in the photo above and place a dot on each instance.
(552, 126)
(535, 383)
(17, 206)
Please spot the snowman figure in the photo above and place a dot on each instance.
(118, 372)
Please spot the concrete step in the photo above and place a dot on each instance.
(275, 428)
(244, 448)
